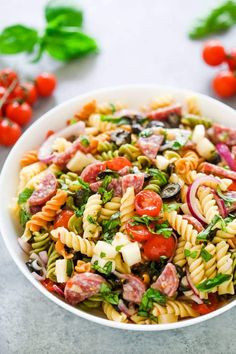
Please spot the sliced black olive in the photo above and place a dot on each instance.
(105, 173)
(174, 120)
(136, 128)
(121, 137)
(215, 159)
(155, 123)
(170, 190)
(29, 266)
(171, 168)
(81, 197)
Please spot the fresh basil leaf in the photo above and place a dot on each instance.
(67, 43)
(61, 13)
(17, 39)
(221, 18)
(91, 220)
(190, 254)
(104, 270)
(170, 206)
(108, 295)
(24, 216)
(206, 256)
(107, 196)
(24, 195)
(205, 234)
(226, 198)
(149, 297)
(110, 227)
(146, 133)
(84, 141)
(209, 284)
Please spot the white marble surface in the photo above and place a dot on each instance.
(142, 41)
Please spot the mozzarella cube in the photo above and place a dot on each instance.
(105, 249)
(79, 161)
(131, 253)
(102, 262)
(198, 133)
(161, 162)
(120, 240)
(205, 148)
(60, 271)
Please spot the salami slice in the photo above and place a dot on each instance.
(135, 181)
(82, 286)
(116, 186)
(95, 186)
(164, 113)
(124, 171)
(46, 189)
(133, 289)
(221, 134)
(90, 173)
(193, 221)
(209, 168)
(168, 281)
(150, 145)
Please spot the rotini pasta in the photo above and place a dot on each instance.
(224, 266)
(29, 158)
(127, 207)
(112, 314)
(92, 209)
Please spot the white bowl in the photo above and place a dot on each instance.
(132, 96)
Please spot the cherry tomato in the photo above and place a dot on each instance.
(158, 246)
(48, 284)
(232, 186)
(63, 218)
(204, 309)
(224, 84)
(20, 113)
(213, 53)
(2, 91)
(139, 233)
(9, 132)
(27, 92)
(118, 163)
(148, 203)
(231, 59)
(45, 84)
(7, 76)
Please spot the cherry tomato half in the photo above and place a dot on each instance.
(48, 284)
(139, 233)
(232, 186)
(9, 132)
(204, 309)
(63, 218)
(213, 53)
(158, 246)
(224, 84)
(7, 76)
(27, 92)
(45, 84)
(20, 113)
(118, 163)
(148, 203)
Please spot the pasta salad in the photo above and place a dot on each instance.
(133, 211)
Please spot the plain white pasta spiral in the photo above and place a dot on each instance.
(127, 207)
(193, 105)
(91, 212)
(141, 320)
(61, 144)
(162, 101)
(224, 266)
(28, 172)
(223, 183)
(182, 226)
(112, 314)
(71, 240)
(177, 308)
(96, 122)
(179, 258)
(120, 265)
(110, 208)
(208, 203)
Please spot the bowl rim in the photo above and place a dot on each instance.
(19, 263)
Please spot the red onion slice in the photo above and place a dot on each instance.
(123, 308)
(58, 290)
(191, 196)
(190, 282)
(45, 152)
(44, 257)
(221, 204)
(38, 277)
(24, 245)
(196, 299)
(225, 153)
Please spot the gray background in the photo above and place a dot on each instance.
(142, 41)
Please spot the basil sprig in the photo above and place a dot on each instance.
(209, 284)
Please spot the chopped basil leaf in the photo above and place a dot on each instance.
(155, 228)
(113, 108)
(69, 267)
(25, 195)
(80, 211)
(110, 227)
(146, 133)
(84, 141)
(149, 297)
(91, 220)
(118, 248)
(160, 176)
(209, 284)
(176, 145)
(190, 254)
(104, 270)
(108, 295)
(24, 217)
(206, 256)
(102, 254)
(106, 195)
(170, 206)
(205, 234)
